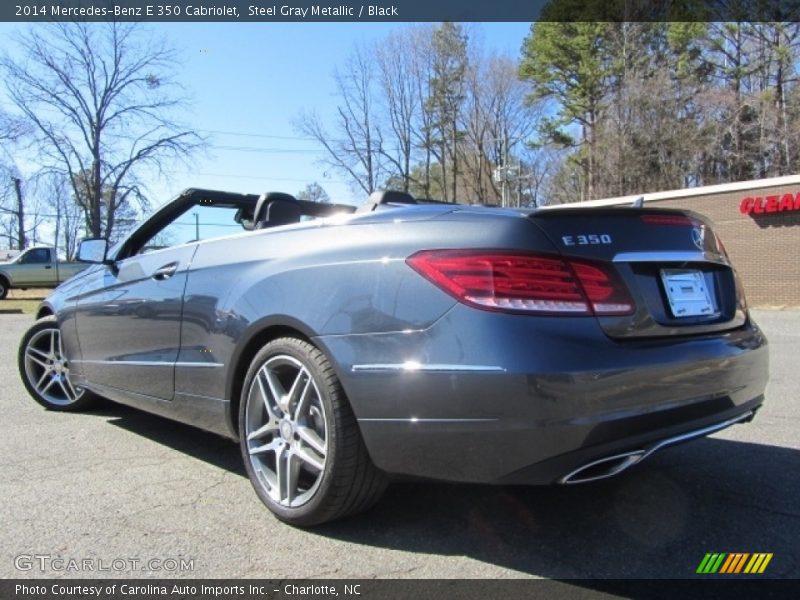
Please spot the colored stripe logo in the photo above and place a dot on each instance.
(734, 562)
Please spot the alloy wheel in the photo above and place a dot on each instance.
(47, 369)
(286, 431)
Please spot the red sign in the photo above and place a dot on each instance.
(769, 204)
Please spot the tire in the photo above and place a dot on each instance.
(3, 288)
(45, 370)
(299, 439)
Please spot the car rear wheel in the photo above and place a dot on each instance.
(45, 369)
(3, 288)
(300, 440)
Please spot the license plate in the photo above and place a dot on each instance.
(687, 293)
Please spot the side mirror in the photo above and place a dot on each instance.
(93, 250)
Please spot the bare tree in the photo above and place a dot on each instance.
(776, 75)
(100, 100)
(12, 204)
(497, 122)
(397, 60)
(539, 165)
(7, 214)
(356, 146)
(12, 207)
(11, 129)
(450, 62)
(650, 130)
(64, 212)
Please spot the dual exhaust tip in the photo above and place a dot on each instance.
(613, 465)
(604, 468)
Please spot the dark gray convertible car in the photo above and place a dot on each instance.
(407, 338)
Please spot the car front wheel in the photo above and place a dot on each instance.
(45, 369)
(300, 440)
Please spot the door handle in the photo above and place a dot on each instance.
(165, 272)
(48, 266)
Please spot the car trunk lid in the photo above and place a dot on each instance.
(671, 262)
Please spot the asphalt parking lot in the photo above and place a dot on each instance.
(120, 484)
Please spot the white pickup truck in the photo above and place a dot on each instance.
(36, 267)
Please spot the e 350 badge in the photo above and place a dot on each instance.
(586, 239)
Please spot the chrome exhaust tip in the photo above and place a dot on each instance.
(613, 465)
(603, 468)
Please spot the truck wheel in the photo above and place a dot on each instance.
(3, 288)
(45, 370)
(300, 441)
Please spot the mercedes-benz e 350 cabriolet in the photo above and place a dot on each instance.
(342, 347)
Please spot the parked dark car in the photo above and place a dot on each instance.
(344, 347)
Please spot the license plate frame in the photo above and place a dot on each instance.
(687, 293)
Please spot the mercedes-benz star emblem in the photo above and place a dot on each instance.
(699, 236)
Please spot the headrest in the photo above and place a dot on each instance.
(260, 212)
(387, 196)
(281, 211)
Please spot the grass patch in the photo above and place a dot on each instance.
(28, 294)
(26, 301)
(14, 305)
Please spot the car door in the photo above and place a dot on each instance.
(128, 319)
(35, 267)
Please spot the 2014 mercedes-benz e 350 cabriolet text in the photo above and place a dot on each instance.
(343, 347)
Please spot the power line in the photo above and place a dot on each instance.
(201, 224)
(320, 150)
(265, 150)
(257, 135)
(261, 177)
(36, 215)
(305, 138)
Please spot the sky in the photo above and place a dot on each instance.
(249, 83)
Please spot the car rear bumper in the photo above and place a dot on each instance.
(599, 461)
(611, 465)
(501, 399)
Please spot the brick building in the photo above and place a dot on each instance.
(759, 223)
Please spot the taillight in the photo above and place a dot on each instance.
(604, 289)
(529, 283)
(663, 219)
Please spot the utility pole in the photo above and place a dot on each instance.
(505, 173)
(21, 241)
(196, 227)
